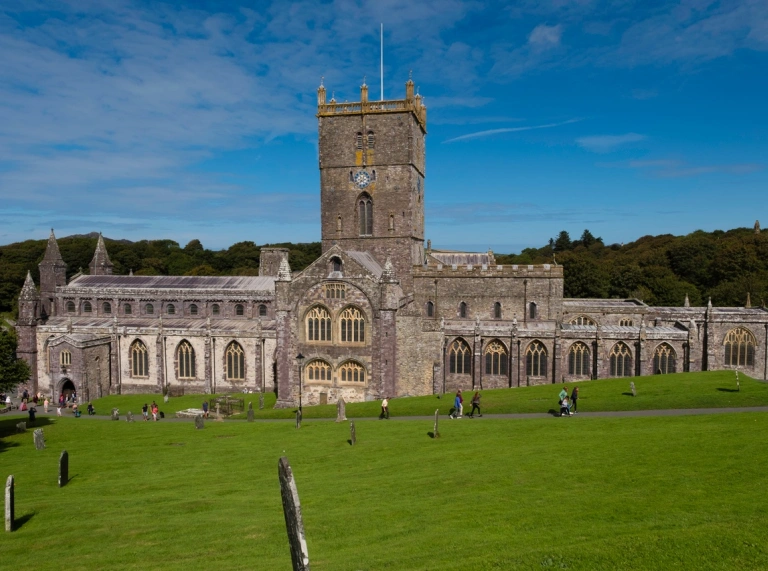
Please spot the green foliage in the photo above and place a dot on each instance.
(13, 371)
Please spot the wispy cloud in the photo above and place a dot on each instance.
(670, 168)
(491, 132)
(545, 37)
(608, 143)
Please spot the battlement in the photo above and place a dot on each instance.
(489, 271)
(412, 103)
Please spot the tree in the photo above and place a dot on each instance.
(562, 242)
(13, 371)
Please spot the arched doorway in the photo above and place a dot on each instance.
(67, 389)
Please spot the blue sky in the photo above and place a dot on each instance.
(187, 120)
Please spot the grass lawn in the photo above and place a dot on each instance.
(578, 493)
(684, 390)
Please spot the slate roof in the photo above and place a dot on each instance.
(449, 258)
(367, 261)
(603, 303)
(169, 324)
(235, 283)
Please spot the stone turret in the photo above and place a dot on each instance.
(687, 302)
(100, 264)
(284, 272)
(270, 260)
(26, 328)
(53, 273)
(757, 227)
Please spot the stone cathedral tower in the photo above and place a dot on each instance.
(372, 178)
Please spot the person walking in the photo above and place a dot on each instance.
(205, 409)
(574, 399)
(154, 411)
(456, 405)
(384, 409)
(59, 409)
(91, 411)
(144, 411)
(475, 405)
(45, 405)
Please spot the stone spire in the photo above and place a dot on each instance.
(687, 302)
(749, 301)
(100, 264)
(709, 303)
(388, 275)
(757, 227)
(52, 253)
(53, 273)
(284, 271)
(29, 291)
(321, 94)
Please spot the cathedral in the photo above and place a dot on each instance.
(379, 313)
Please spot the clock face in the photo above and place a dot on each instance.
(362, 179)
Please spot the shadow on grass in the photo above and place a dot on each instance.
(728, 390)
(628, 394)
(553, 412)
(8, 427)
(431, 434)
(349, 441)
(19, 522)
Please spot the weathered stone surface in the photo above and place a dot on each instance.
(115, 414)
(294, 523)
(261, 401)
(39, 439)
(218, 412)
(352, 433)
(9, 504)
(21, 427)
(341, 410)
(63, 469)
(298, 418)
(199, 422)
(436, 431)
(632, 388)
(129, 416)
(250, 415)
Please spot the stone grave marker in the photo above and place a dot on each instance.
(250, 412)
(298, 418)
(341, 410)
(21, 427)
(9, 504)
(165, 398)
(294, 524)
(115, 414)
(738, 386)
(436, 432)
(129, 416)
(261, 401)
(352, 435)
(218, 412)
(632, 388)
(63, 469)
(39, 439)
(199, 422)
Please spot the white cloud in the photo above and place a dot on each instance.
(544, 37)
(491, 132)
(608, 143)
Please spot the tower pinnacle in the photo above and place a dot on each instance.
(100, 264)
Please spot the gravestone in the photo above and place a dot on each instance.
(21, 427)
(294, 524)
(165, 398)
(39, 439)
(738, 386)
(9, 504)
(352, 435)
(199, 422)
(218, 412)
(298, 418)
(63, 469)
(250, 412)
(261, 401)
(115, 414)
(632, 388)
(129, 416)
(436, 432)
(341, 410)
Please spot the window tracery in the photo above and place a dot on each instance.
(496, 358)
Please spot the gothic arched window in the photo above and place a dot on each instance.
(70, 307)
(87, 308)
(739, 348)
(371, 139)
(578, 359)
(235, 362)
(65, 358)
(495, 359)
(149, 308)
(193, 309)
(497, 310)
(460, 358)
(621, 361)
(462, 309)
(365, 215)
(318, 370)
(106, 307)
(352, 326)
(664, 360)
(536, 360)
(533, 310)
(351, 372)
(170, 309)
(430, 309)
(239, 309)
(139, 359)
(626, 322)
(318, 324)
(583, 320)
(359, 141)
(127, 309)
(185, 357)
(215, 309)
(262, 310)
(336, 264)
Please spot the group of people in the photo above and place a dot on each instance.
(458, 405)
(146, 410)
(567, 404)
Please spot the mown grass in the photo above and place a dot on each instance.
(710, 389)
(582, 494)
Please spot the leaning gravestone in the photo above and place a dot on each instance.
(632, 388)
(21, 427)
(199, 422)
(129, 416)
(436, 432)
(294, 523)
(63, 469)
(9, 504)
(250, 412)
(341, 410)
(352, 434)
(261, 401)
(39, 439)
(115, 414)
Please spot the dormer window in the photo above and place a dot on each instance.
(336, 264)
